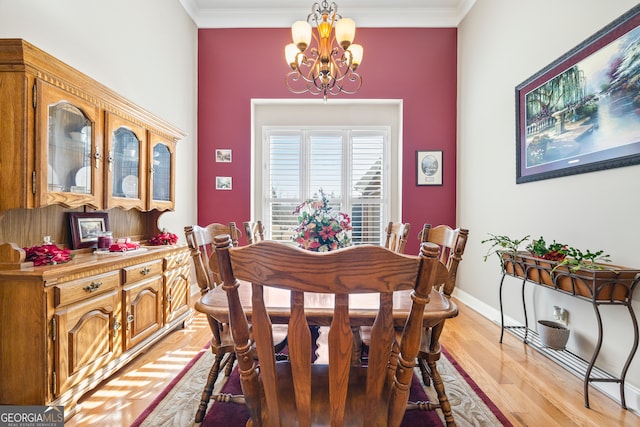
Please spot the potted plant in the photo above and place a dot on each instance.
(541, 259)
(554, 252)
(564, 268)
(507, 250)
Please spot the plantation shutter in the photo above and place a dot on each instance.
(284, 190)
(347, 164)
(367, 195)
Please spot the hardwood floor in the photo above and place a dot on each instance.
(528, 388)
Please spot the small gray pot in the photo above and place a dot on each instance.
(553, 334)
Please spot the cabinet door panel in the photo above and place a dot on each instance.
(161, 191)
(177, 295)
(143, 310)
(86, 340)
(126, 182)
(68, 149)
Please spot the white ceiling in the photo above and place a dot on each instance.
(366, 13)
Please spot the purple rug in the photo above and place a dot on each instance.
(234, 415)
(176, 405)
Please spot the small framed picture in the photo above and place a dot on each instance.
(85, 227)
(429, 167)
(223, 183)
(223, 156)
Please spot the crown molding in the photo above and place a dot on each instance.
(275, 17)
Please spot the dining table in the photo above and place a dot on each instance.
(363, 308)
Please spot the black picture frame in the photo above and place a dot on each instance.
(581, 113)
(429, 167)
(85, 226)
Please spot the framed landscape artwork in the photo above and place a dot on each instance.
(223, 156)
(582, 112)
(429, 167)
(224, 183)
(85, 227)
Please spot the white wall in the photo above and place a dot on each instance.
(501, 44)
(145, 50)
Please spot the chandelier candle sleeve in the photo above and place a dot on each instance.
(320, 66)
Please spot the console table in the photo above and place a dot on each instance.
(612, 285)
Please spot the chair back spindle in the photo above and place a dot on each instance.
(254, 230)
(397, 233)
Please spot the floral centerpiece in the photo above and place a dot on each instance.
(319, 228)
(164, 238)
(47, 254)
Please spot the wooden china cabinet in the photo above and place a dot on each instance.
(69, 144)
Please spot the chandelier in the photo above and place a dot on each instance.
(325, 68)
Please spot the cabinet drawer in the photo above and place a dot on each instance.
(77, 290)
(176, 260)
(141, 271)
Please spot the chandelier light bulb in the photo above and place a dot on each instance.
(357, 52)
(290, 53)
(301, 33)
(345, 32)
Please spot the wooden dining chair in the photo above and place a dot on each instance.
(297, 392)
(397, 234)
(254, 231)
(200, 242)
(452, 243)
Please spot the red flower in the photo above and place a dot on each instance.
(164, 238)
(327, 232)
(47, 254)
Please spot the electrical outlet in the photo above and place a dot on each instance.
(560, 314)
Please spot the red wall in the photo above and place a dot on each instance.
(417, 65)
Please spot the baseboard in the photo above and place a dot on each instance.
(611, 390)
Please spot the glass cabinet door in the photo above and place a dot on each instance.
(126, 164)
(66, 148)
(126, 169)
(161, 177)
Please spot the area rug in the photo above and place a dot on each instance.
(177, 404)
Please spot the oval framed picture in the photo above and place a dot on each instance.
(429, 167)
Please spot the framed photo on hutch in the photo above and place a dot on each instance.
(85, 227)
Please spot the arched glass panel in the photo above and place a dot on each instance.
(126, 164)
(161, 164)
(69, 149)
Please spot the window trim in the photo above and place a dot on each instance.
(339, 112)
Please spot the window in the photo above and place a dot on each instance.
(351, 166)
